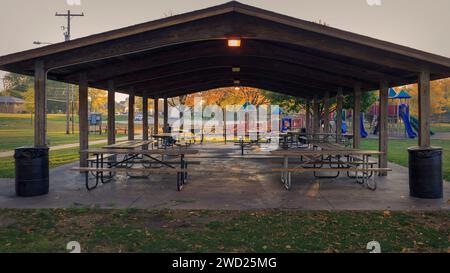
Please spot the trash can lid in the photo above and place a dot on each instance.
(30, 152)
(32, 148)
(432, 148)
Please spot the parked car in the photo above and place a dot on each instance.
(139, 117)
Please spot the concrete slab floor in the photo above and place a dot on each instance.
(253, 187)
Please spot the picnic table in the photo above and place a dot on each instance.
(163, 139)
(125, 165)
(315, 160)
(131, 144)
(242, 143)
(291, 137)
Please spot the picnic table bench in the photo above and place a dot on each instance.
(100, 167)
(334, 158)
(247, 144)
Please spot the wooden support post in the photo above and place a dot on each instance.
(316, 116)
(40, 105)
(111, 113)
(383, 126)
(166, 115)
(156, 116)
(144, 117)
(131, 109)
(308, 115)
(326, 115)
(339, 106)
(356, 117)
(83, 118)
(424, 109)
(224, 111)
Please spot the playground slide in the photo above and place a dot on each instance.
(415, 125)
(344, 125)
(364, 133)
(409, 130)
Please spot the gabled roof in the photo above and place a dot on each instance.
(186, 53)
(232, 6)
(392, 93)
(403, 95)
(9, 99)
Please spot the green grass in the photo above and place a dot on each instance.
(440, 127)
(269, 231)
(16, 130)
(398, 151)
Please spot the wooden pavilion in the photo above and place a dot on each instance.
(198, 50)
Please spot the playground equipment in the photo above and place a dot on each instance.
(347, 118)
(344, 125)
(286, 124)
(362, 129)
(403, 110)
(400, 122)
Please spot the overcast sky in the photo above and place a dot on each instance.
(421, 24)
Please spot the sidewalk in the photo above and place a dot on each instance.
(65, 146)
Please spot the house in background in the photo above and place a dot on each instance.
(11, 105)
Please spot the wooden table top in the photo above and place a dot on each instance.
(163, 135)
(174, 152)
(341, 152)
(131, 144)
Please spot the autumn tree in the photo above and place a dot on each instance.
(98, 100)
(440, 97)
(28, 96)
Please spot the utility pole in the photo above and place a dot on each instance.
(69, 16)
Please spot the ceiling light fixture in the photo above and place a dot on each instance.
(234, 42)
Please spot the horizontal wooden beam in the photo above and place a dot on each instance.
(197, 52)
(218, 83)
(198, 78)
(245, 63)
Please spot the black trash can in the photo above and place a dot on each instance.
(425, 172)
(32, 171)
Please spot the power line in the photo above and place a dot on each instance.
(68, 16)
(67, 36)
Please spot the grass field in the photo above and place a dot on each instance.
(221, 231)
(16, 130)
(398, 151)
(440, 127)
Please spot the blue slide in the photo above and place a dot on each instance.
(404, 114)
(364, 133)
(415, 125)
(344, 125)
